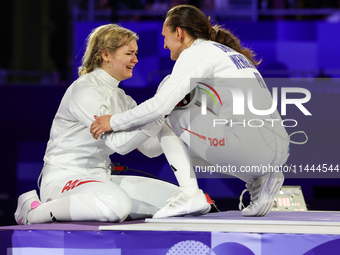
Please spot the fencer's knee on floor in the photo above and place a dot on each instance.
(113, 207)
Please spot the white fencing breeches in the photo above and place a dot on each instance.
(69, 196)
(240, 146)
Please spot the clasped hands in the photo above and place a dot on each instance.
(100, 126)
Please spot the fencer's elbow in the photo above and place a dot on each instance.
(121, 149)
(124, 150)
(150, 153)
(155, 155)
(127, 143)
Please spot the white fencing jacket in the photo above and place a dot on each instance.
(71, 145)
(212, 62)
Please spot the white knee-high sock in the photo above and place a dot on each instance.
(177, 154)
(78, 207)
(57, 210)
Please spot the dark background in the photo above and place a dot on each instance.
(36, 67)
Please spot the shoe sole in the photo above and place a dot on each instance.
(201, 212)
(276, 180)
(194, 213)
(195, 210)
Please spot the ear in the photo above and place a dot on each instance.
(180, 34)
(105, 55)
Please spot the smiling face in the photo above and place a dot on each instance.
(172, 41)
(121, 63)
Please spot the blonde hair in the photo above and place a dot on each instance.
(107, 37)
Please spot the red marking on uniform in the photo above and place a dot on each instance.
(83, 182)
(72, 184)
(198, 135)
(209, 199)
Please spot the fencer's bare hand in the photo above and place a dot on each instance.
(100, 126)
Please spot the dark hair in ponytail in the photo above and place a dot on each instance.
(197, 25)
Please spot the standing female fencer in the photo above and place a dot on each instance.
(212, 59)
(76, 182)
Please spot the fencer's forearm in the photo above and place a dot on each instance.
(172, 92)
(151, 148)
(124, 142)
(155, 108)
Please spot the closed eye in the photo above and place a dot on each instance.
(130, 53)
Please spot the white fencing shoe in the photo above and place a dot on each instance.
(262, 192)
(181, 204)
(26, 203)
